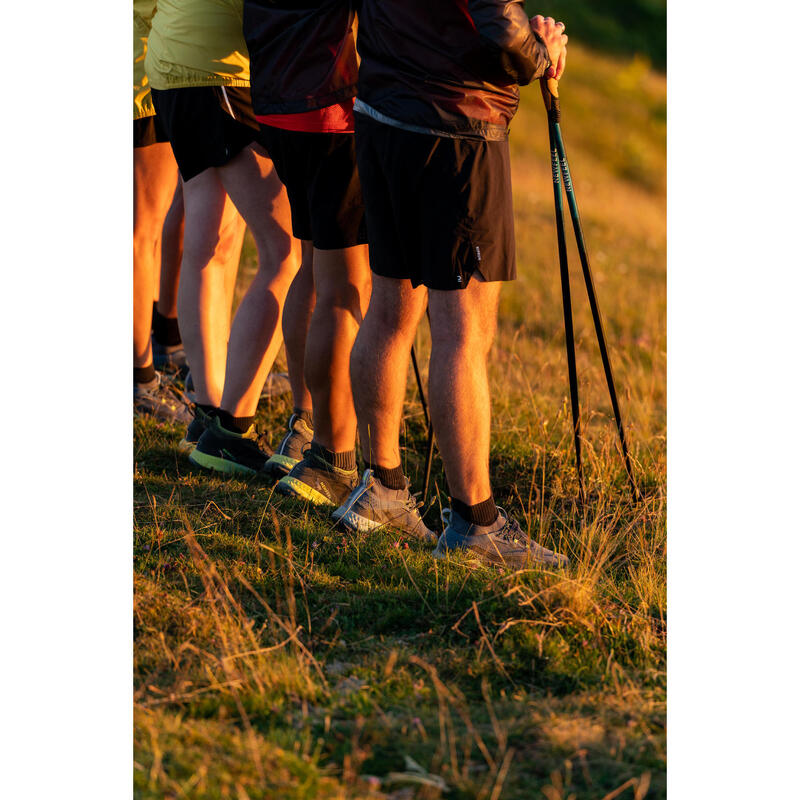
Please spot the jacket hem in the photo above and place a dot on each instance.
(300, 104)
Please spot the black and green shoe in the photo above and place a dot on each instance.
(291, 448)
(231, 453)
(197, 427)
(317, 481)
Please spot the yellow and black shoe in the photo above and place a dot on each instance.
(231, 453)
(317, 481)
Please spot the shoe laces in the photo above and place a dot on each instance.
(167, 393)
(413, 503)
(511, 531)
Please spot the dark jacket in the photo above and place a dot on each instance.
(302, 54)
(448, 65)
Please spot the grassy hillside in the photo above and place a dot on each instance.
(277, 658)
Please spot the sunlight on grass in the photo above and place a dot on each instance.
(276, 657)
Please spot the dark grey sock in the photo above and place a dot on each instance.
(391, 478)
(483, 513)
(345, 460)
(234, 424)
(144, 374)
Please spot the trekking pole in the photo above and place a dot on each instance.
(551, 104)
(558, 157)
(429, 445)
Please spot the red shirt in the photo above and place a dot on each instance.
(331, 119)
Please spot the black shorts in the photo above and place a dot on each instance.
(147, 131)
(206, 125)
(321, 178)
(438, 209)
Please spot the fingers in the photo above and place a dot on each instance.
(554, 38)
(562, 59)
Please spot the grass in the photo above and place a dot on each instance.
(277, 658)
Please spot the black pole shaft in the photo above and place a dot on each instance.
(567, 300)
(590, 290)
(429, 443)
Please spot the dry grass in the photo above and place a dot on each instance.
(276, 658)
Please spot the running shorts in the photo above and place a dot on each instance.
(206, 125)
(321, 178)
(438, 209)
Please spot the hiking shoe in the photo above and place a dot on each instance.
(291, 448)
(196, 429)
(161, 400)
(277, 384)
(229, 452)
(371, 505)
(503, 542)
(170, 357)
(317, 481)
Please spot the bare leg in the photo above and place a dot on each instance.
(379, 366)
(171, 253)
(212, 235)
(154, 173)
(255, 337)
(296, 319)
(342, 281)
(462, 328)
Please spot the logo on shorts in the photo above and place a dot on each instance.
(478, 251)
(458, 279)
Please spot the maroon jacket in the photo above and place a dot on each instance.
(448, 65)
(302, 54)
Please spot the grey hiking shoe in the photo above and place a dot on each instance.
(313, 479)
(503, 542)
(292, 447)
(160, 399)
(371, 505)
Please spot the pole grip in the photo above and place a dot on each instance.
(549, 87)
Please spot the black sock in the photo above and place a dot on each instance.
(483, 513)
(305, 415)
(391, 478)
(165, 330)
(144, 374)
(155, 311)
(345, 460)
(235, 424)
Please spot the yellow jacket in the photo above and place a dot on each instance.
(143, 11)
(197, 43)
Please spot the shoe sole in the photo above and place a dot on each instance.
(294, 488)
(488, 561)
(355, 522)
(219, 464)
(282, 465)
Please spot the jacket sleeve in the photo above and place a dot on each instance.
(510, 50)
